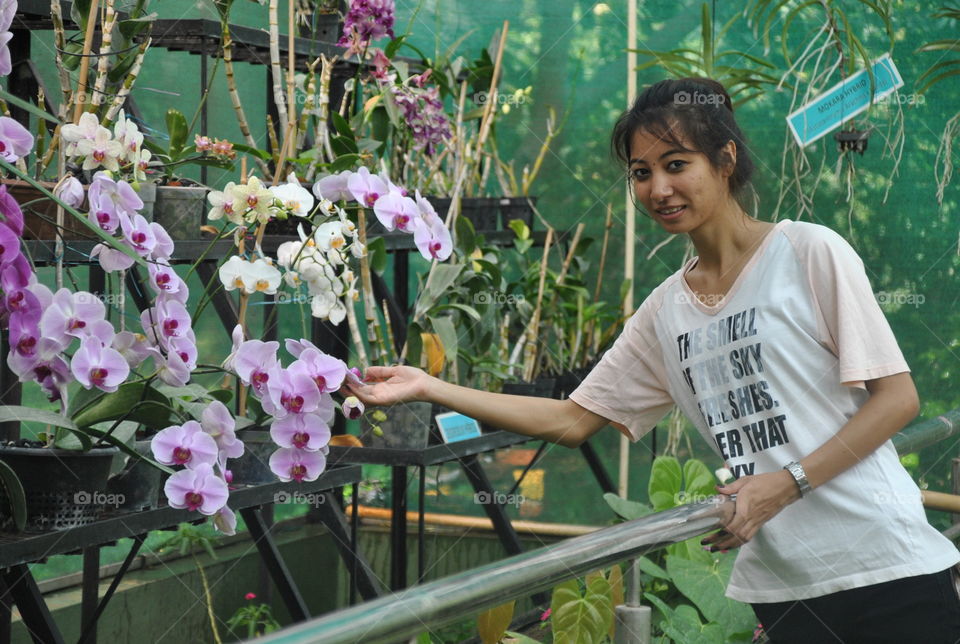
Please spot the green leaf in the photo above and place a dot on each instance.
(493, 623)
(391, 49)
(665, 478)
(18, 413)
(14, 491)
(626, 508)
(685, 626)
(343, 145)
(520, 228)
(698, 481)
(177, 130)
(125, 431)
(444, 275)
(468, 310)
(122, 67)
(581, 619)
(27, 106)
(466, 236)
(521, 638)
(377, 250)
(704, 584)
(342, 127)
(344, 162)
(130, 402)
(256, 152)
(648, 566)
(414, 343)
(223, 395)
(443, 325)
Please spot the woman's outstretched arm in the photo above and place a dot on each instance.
(559, 421)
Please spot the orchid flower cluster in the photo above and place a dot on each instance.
(202, 448)
(92, 146)
(366, 20)
(298, 397)
(321, 259)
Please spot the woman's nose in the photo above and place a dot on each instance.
(660, 187)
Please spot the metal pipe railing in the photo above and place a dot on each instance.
(403, 615)
(927, 432)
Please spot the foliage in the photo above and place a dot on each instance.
(253, 620)
(684, 572)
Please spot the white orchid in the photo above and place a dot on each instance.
(294, 197)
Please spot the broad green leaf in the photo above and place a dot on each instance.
(344, 162)
(493, 623)
(177, 131)
(698, 481)
(125, 431)
(466, 236)
(581, 619)
(131, 402)
(520, 228)
(648, 566)
(615, 579)
(705, 584)
(444, 275)
(685, 626)
(444, 327)
(14, 492)
(414, 343)
(626, 508)
(520, 638)
(342, 127)
(377, 251)
(468, 310)
(664, 487)
(18, 413)
(391, 49)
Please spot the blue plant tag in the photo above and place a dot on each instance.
(454, 427)
(843, 101)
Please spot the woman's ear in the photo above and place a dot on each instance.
(729, 153)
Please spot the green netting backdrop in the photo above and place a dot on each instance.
(571, 53)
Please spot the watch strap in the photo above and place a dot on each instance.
(800, 477)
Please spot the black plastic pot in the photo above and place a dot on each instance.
(483, 212)
(138, 483)
(63, 488)
(253, 468)
(517, 208)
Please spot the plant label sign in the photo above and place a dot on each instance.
(843, 101)
(455, 427)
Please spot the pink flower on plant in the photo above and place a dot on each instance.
(219, 424)
(138, 233)
(94, 365)
(366, 188)
(185, 444)
(197, 489)
(10, 209)
(7, 10)
(290, 391)
(237, 338)
(111, 259)
(327, 372)
(132, 346)
(395, 211)
(70, 314)
(352, 407)
(250, 596)
(163, 248)
(254, 361)
(334, 187)
(163, 279)
(301, 431)
(225, 520)
(115, 196)
(202, 143)
(15, 140)
(291, 464)
(70, 191)
(9, 245)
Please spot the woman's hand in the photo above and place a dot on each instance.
(759, 499)
(390, 385)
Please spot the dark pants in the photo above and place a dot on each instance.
(923, 609)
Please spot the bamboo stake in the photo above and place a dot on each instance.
(321, 131)
(128, 82)
(374, 332)
(60, 43)
(530, 348)
(227, 49)
(355, 334)
(591, 325)
(103, 64)
(81, 95)
(275, 72)
(391, 340)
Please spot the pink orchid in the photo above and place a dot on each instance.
(291, 464)
(70, 191)
(16, 141)
(172, 370)
(290, 391)
(168, 319)
(184, 348)
(185, 444)
(70, 314)
(133, 347)
(302, 431)
(116, 196)
(163, 248)
(355, 376)
(254, 361)
(352, 408)
(395, 211)
(165, 280)
(366, 188)
(237, 338)
(7, 10)
(10, 209)
(9, 245)
(197, 489)
(218, 422)
(433, 240)
(327, 372)
(94, 365)
(138, 233)
(225, 521)
(334, 187)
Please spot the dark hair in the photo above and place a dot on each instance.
(698, 110)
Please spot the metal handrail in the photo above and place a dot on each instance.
(927, 432)
(405, 614)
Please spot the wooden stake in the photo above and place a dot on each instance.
(81, 95)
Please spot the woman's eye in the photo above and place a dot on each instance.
(676, 164)
(639, 174)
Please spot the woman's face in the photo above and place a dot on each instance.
(678, 188)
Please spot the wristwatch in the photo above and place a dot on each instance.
(796, 471)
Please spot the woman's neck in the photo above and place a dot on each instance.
(727, 238)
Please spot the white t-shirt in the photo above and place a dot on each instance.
(767, 376)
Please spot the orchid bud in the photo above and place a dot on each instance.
(69, 191)
(378, 415)
(352, 407)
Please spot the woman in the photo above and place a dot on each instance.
(771, 342)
